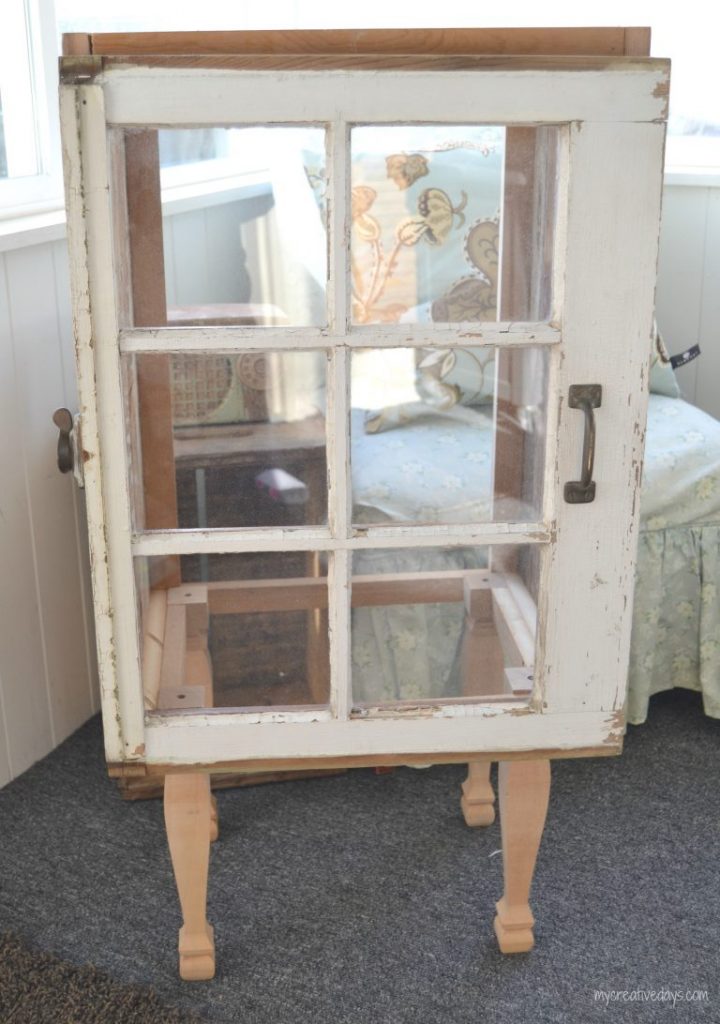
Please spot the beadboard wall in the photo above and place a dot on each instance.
(688, 290)
(48, 684)
(47, 648)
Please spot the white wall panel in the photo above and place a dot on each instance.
(64, 318)
(47, 658)
(707, 392)
(40, 382)
(29, 731)
(688, 290)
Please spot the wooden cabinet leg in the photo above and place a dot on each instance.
(187, 821)
(524, 791)
(478, 800)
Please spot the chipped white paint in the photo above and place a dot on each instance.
(208, 739)
(75, 183)
(195, 542)
(227, 340)
(624, 91)
(613, 196)
(96, 332)
(605, 248)
(338, 423)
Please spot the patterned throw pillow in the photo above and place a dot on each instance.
(444, 378)
(452, 376)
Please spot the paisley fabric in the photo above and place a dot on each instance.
(417, 194)
(425, 473)
(443, 378)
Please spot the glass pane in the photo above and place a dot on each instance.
(448, 435)
(443, 623)
(236, 631)
(447, 217)
(225, 225)
(227, 441)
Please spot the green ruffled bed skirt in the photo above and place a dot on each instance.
(676, 617)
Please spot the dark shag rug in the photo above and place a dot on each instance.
(38, 988)
(364, 899)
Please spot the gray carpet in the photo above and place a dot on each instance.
(38, 988)
(364, 899)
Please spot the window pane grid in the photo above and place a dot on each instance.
(338, 419)
(190, 542)
(500, 334)
(339, 539)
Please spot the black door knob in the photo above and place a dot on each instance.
(63, 420)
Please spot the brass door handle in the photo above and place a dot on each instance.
(586, 397)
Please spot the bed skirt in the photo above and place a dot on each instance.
(676, 617)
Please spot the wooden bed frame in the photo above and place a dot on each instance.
(176, 666)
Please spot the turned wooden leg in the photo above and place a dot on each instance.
(478, 800)
(187, 821)
(524, 791)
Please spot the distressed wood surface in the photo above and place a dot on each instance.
(338, 418)
(92, 67)
(575, 714)
(490, 731)
(495, 734)
(188, 542)
(127, 770)
(618, 91)
(78, 231)
(609, 262)
(105, 465)
(227, 340)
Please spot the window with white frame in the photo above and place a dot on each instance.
(30, 174)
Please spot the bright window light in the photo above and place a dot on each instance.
(687, 34)
(30, 176)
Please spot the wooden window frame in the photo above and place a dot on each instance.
(605, 108)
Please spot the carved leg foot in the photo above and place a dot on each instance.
(214, 821)
(524, 791)
(478, 799)
(187, 821)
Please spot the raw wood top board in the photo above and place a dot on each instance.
(616, 41)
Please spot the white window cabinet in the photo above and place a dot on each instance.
(242, 570)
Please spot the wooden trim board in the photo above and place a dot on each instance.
(150, 787)
(426, 760)
(571, 41)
